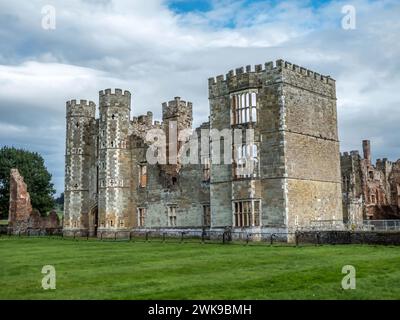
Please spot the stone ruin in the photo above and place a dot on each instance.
(22, 217)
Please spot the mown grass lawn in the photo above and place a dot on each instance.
(137, 270)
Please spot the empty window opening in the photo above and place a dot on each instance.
(171, 216)
(141, 216)
(372, 198)
(246, 161)
(142, 176)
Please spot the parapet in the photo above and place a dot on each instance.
(177, 108)
(81, 108)
(251, 76)
(146, 119)
(117, 98)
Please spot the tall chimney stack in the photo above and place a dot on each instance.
(367, 150)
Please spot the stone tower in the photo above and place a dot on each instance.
(79, 155)
(114, 161)
(294, 154)
(177, 115)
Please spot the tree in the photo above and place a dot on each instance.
(37, 178)
(60, 201)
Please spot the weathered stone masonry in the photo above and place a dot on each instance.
(294, 158)
(369, 191)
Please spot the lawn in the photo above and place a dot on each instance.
(137, 270)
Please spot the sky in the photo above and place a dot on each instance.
(159, 49)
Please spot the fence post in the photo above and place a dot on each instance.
(272, 239)
(115, 235)
(130, 235)
(163, 237)
(182, 233)
(74, 234)
(202, 236)
(147, 236)
(296, 236)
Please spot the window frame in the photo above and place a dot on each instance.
(246, 213)
(244, 107)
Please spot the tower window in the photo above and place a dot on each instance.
(373, 199)
(246, 161)
(113, 116)
(243, 108)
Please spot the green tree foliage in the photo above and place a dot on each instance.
(38, 179)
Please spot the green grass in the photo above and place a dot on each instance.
(138, 270)
(3, 222)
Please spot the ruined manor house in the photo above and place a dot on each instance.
(294, 158)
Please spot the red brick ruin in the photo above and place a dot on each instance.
(22, 217)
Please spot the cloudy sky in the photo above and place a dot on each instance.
(161, 49)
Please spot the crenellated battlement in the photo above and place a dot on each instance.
(249, 73)
(176, 108)
(81, 107)
(117, 97)
(146, 119)
(117, 92)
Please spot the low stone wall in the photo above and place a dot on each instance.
(349, 237)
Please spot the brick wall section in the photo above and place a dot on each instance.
(22, 217)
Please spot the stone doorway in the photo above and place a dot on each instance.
(94, 217)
